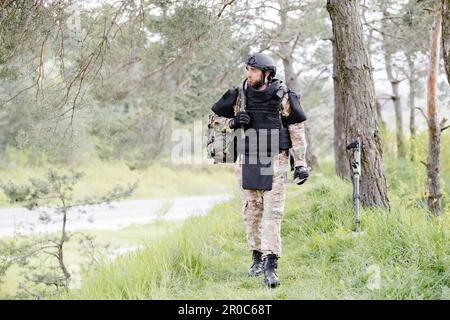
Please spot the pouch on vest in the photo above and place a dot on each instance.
(257, 173)
(297, 114)
(220, 145)
(285, 139)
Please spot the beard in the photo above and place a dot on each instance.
(258, 84)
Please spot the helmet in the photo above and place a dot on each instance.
(263, 62)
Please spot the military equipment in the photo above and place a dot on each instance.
(262, 62)
(242, 118)
(270, 271)
(297, 114)
(301, 174)
(257, 267)
(355, 166)
(221, 143)
(264, 109)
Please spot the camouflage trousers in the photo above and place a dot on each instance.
(262, 210)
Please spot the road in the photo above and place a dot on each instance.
(120, 215)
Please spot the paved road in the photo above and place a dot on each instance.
(122, 213)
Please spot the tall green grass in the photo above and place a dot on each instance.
(401, 255)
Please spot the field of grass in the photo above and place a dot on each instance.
(110, 244)
(402, 254)
(160, 180)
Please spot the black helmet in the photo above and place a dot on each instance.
(262, 61)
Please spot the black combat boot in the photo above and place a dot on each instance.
(257, 267)
(270, 271)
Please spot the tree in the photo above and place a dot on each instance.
(360, 121)
(340, 155)
(46, 68)
(396, 33)
(118, 85)
(446, 36)
(394, 81)
(286, 53)
(434, 127)
(410, 23)
(41, 194)
(412, 81)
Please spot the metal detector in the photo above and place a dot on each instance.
(355, 164)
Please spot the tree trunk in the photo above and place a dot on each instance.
(434, 128)
(446, 36)
(291, 82)
(411, 103)
(311, 158)
(401, 152)
(340, 154)
(357, 87)
(379, 114)
(60, 249)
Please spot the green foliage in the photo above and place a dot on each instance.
(407, 180)
(136, 136)
(43, 276)
(401, 255)
(156, 76)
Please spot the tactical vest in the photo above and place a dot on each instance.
(263, 134)
(264, 108)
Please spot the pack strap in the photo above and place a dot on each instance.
(242, 99)
(242, 96)
(281, 93)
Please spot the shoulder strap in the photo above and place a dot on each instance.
(241, 101)
(243, 96)
(281, 92)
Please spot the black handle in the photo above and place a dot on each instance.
(353, 145)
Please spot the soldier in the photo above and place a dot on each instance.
(270, 108)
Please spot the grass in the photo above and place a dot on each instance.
(108, 242)
(160, 180)
(402, 254)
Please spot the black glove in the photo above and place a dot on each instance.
(301, 174)
(241, 118)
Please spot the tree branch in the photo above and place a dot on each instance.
(442, 124)
(297, 38)
(229, 3)
(423, 113)
(313, 82)
(384, 96)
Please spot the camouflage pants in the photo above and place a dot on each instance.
(262, 210)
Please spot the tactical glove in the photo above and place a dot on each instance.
(241, 118)
(301, 174)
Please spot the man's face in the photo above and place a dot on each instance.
(255, 77)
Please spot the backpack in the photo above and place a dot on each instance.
(220, 141)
